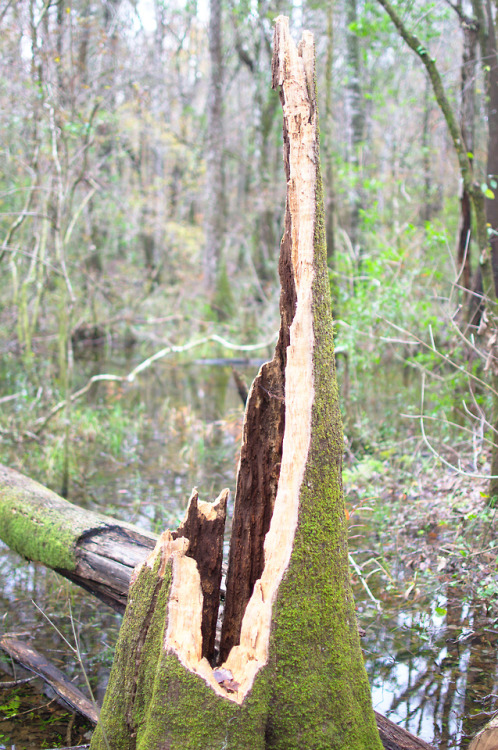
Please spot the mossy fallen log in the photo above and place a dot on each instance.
(292, 672)
(95, 551)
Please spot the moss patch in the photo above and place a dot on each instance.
(40, 525)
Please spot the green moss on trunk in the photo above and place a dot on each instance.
(153, 702)
(321, 698)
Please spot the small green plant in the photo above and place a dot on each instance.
(11, 708)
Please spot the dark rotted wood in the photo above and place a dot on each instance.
(257, 482)
(242, 389)
(105, 562)
(31, 659)
(204, 527)
(259, 465)
(394, 737)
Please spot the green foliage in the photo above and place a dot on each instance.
(11, 708)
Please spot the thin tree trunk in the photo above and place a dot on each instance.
(427, 208)
(357, 114)
(329, 168)
(467, 118)
(214, 222)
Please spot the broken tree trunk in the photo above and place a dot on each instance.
(115, 549)
(292, 672)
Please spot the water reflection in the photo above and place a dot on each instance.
(435, 676)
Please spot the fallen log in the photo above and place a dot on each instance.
(396, 738)
(68, 695)
(90, 549)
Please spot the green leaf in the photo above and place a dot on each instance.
(441, 611)
(493, 184)
(487, 191)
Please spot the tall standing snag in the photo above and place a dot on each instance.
(292, 673)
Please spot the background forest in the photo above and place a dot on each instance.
(141, 210)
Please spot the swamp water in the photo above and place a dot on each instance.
(432, 665)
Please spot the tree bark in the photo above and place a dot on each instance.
(293, 674)
(397, 738)
(467, 118)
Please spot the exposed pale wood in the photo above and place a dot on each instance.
(487, 738)
(184, 616)
(31, 659)
(204, 527)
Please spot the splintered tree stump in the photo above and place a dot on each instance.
(290, 673)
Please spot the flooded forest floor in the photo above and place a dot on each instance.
(422, 544)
